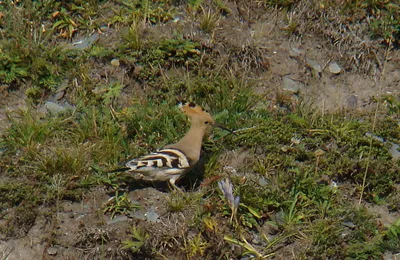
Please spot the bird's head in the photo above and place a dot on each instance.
(197, 115)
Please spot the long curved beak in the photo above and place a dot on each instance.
(223, 128)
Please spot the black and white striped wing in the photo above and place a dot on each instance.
(159, 166)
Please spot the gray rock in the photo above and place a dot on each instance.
(117, 219)
(137, 215)
(394, 151)
(291, 85)
(349, 224)
(115, 62)
(334, 68)
(352, 102)
(56, 108)
(294, 53)
(59, 95)
(262, 182)
(151, 215)
(52, 251)
(377, 138)
(317, 69)
(86, 42)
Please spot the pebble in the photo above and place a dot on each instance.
(394, 148)
(295, 141)
(349, 224)
(151, 215)
(52, 251)
(59, 95)
(262, 182)
(394, 151)
(294, 53)
(115, 62)
(290, 85)
(138, 215)
(334, 68)
(117, 219)
(315, 66)
(380, 139)
(319, 152)
(86, 42)
(352, 102)
(54, 107)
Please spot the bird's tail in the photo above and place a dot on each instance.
(124, 169)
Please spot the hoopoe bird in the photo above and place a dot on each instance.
(173, 161)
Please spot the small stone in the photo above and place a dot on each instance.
(284, 149)
(295, 141)
(115, 62)
(262, 182)
(52, 251)
(59, 95)
(377, 138)
(294, 53)
(230, 170)
(85, 42)
(334, 68)
(117, 219)
(349, 224)
(352, 102)
(151, 215)
(394, 151)
(317, 69)
(67, 207)
(138, 215)
(319, 152)
(290, 85)
(54, 107)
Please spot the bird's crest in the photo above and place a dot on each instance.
(191, 109)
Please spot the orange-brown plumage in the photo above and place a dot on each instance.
(174, 160)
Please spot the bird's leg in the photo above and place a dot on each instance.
(173, 185)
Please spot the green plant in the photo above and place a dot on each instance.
(195, 246)
(391, 237)
(120, 204)
(60, 161)
(11, 68)
(260, 253)
(194, 5)
(208, 21)
(292, 26)
(363, 251)
(165, 54)
(292, 215)
(134, 37)
(138, 239)
(278, 3)
(153, 12)
(64, 25)
(109, 93)
(392, 103)
(28, 131)
(177, 202)
(326, 237)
